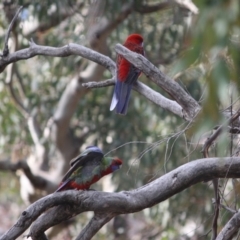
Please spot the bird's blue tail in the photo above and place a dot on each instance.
(121, 96)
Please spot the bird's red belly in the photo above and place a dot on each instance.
(84, 186)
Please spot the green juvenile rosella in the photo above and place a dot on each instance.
(88, 168)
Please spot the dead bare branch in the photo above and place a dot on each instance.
(65, 51)
(147, 92)
(105, 83)
(189, 105)
(122, 202)
(74, 49)
(5, 49)
(158, 99)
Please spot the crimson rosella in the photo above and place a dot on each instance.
(127, 74)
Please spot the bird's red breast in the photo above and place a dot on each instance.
(84, 186)
(134, 42)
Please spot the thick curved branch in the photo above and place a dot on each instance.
(65, 51)
(189, 105)
(123, 202)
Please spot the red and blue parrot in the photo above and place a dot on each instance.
(88, 168)
(127, 74)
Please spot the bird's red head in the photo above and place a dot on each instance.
(116, 164)
(117, 161)
(135, 38)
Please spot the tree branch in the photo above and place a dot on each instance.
(65, 51)
(74, 49)
(105, 83)
(158, 99)
(189, 105)
(231, 228)
(59, 214)
(147, 92)
(5, 49)
(123, 202)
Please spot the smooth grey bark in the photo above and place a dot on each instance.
(231, 228)
(74, 202)
(189, 105)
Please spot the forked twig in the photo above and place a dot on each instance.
(6, 49)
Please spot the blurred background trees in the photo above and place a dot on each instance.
(47, 117)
